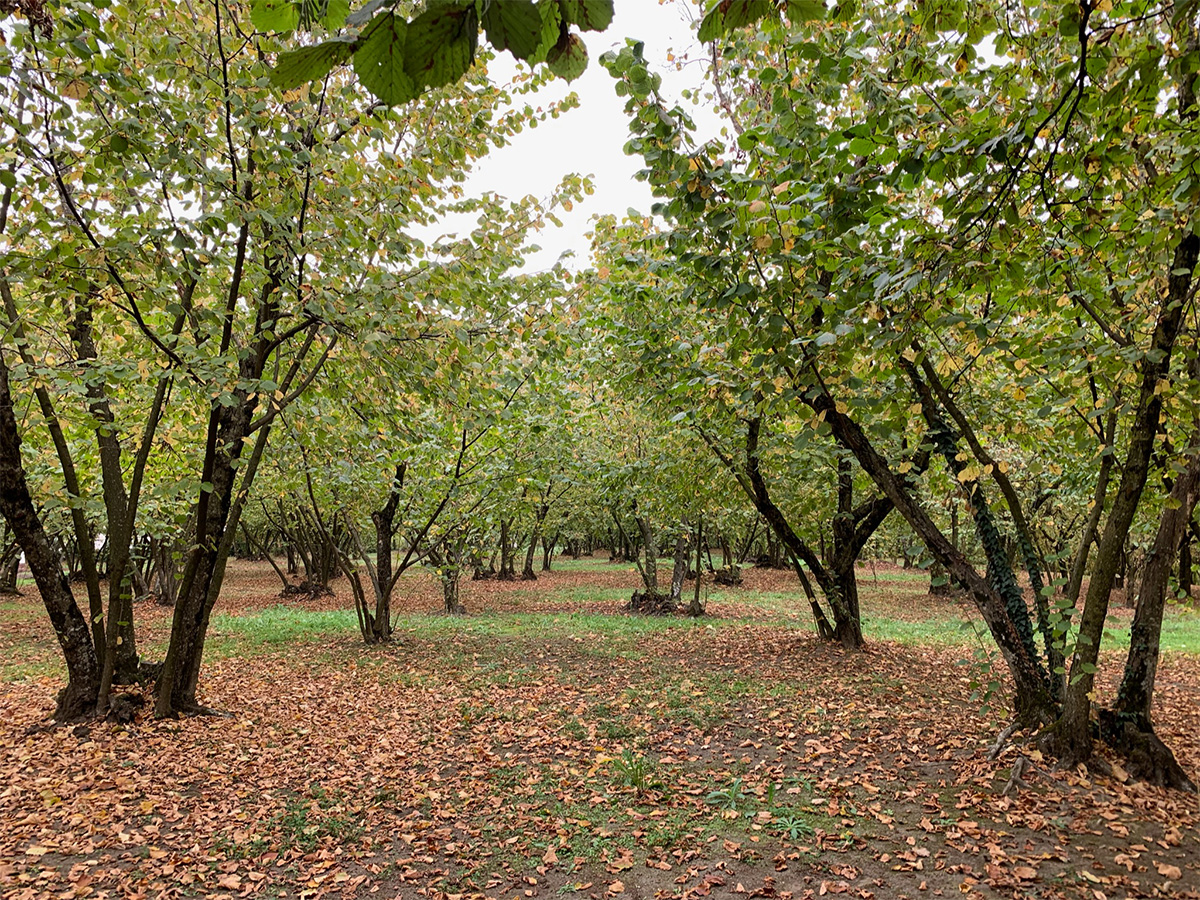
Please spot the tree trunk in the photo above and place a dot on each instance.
(679, 571)
(548, 551)
(205, 568)
(1072, 741)
(507, 552)
(1128, 727)
(527, 573)
(78, 698)
(1185, 564)
(650, 547)
(10, 567)
(695, 609)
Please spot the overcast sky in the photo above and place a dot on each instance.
(589, 140)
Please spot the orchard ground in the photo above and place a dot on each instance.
(549, 744)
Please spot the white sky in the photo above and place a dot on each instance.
(590, 139)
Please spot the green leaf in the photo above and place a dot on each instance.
(274, 15)
(861, 147)
(335, 14)
(726, 15)
(589, 15)
(379, 60)
(297, 67)
(805, 10)
(8, 178)
(440, 45)
(568, 59)
(515, 26)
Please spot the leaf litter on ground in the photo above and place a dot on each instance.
(551, 745)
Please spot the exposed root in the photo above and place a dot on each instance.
(1002, 741)
(1147, 758)
(1015, 779)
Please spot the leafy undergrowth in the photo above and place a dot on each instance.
(547, 745)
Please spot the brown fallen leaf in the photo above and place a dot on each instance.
(1168, 871)
(616, 887)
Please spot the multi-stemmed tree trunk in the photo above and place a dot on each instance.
(649, 565)
(548, 545)
(375, 615)
(507, 552)
(448, 557)
(852, 528)
(10, 566)
(1072, 740)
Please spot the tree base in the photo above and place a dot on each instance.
(729, 576)
(1147, 757)
(306, 590)
(651, 603)
(76, 702)
(123, 708)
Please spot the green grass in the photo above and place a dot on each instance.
(275, 627)
(597, 563)
(926, 633)
(1180, 632)
(19, 670)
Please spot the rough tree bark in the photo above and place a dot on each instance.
(1032, 700)
(1072, 740)
(1128, 727)
(78, 698)
(679, 571)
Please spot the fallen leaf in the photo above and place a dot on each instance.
(1168, 871)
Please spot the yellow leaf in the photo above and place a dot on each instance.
(75, 89)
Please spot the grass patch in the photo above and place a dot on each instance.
(926, 633)
(1180, 632)
(274, 627)
(32, 669)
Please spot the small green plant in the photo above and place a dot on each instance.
(727, 798)
(636, 771)
(795, 826)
